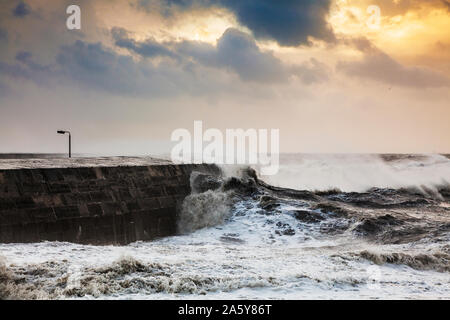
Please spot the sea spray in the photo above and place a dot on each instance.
(360, 172)
(265, 243)
(212, 198)
(203, 210)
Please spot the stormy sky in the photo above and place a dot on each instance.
(319, 70)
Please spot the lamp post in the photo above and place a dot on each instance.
(70, 140)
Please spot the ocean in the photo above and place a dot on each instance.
(325, 227)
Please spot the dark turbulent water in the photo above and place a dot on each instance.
(325, 227)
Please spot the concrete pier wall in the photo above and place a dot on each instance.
(93, 205)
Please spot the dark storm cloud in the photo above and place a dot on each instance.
(86, 64)
(236, 51)
(289, 22)
(23, 56)
(95, 67)
(13, 70)
(239, 53)
(21, 10)
(3, 35)
(26, 68)
(377, 65)
(150, 48)
(26, 58)
(3, 88)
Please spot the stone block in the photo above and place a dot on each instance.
(24, 202)
(10, 176)
(58, 188)
(170, 190)
(87, 173)
(30, 188)
(95, 209)
(9, 190)
(167, 202)
(67, 212)
(41, 214)
(76, 198)
(71, 175)
(149, 203)
(14, 217)
(133, 206)
(6, 233)
(155, 171)
(48, 200)
(123, 194)
(24, 175)
(52, 175)
(98, 173)
(83, 209)
(38, 177)
(99, 196)
(153, 191)
(111, 208)
(7, 204)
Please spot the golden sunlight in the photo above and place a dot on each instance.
(414, 32)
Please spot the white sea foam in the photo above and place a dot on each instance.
(233, 251)
(354, 172)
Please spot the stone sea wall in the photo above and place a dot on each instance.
(93, 205)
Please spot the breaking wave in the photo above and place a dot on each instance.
(439, 261)
(243, 237)
(203, 210)
(126, 275)
(361, 172)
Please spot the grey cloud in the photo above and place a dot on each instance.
(239, 53)
(236, 51)
(23, 56)
(93, 66)
(378, 66)
(3, 35)
(312, 71)
(289, 22)
(27, 69)
(26, 58)
(148, 48)
(87, 64)
(13, 70)
(3, 88)
(21, 10)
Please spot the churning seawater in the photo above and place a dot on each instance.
(355, 226)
